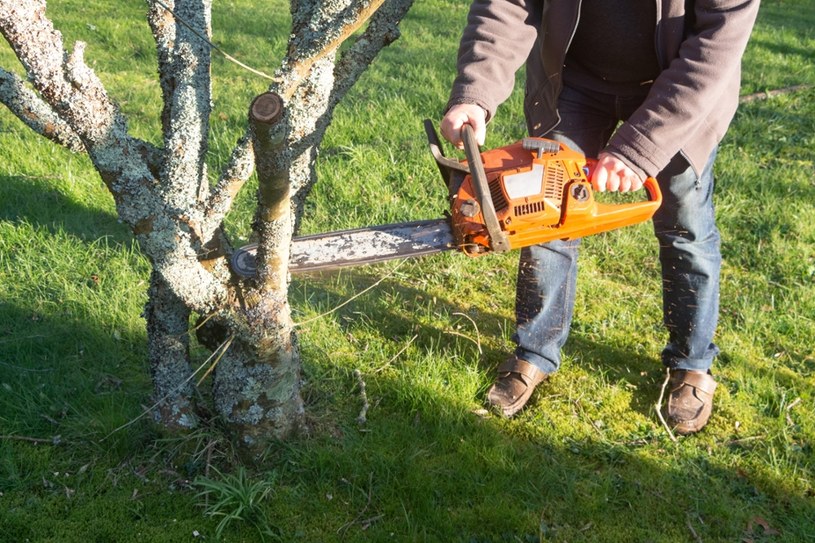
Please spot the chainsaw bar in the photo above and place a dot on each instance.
(320, 252)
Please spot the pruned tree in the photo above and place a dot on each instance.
(176, 209)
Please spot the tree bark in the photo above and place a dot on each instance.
(168, 348)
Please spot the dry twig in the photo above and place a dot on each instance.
(362, 418)
(56, 440)
(226, 55)
(477, 341)
(351, 299)
(219, 352)
(764, 95)
(394, 357)
(692, 531)
(658, 405)
(364, 522)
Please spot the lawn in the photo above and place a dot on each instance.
(589, 459)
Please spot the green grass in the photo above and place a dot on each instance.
(588, 461)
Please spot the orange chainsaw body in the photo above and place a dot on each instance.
(539, 190)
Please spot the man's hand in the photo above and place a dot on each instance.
(612, 174)
(459, 115)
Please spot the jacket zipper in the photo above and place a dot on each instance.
(568, 44)
(574, 29)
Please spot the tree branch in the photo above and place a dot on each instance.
(40, 117)
(747, 98)
(163, 25)
(273, 220)
(67, 84)
(184, 67)
(71, 89)
(314, 38)
(35, 113)
(237, 171)
(381, 32)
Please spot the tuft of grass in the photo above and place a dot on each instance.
(237, 499)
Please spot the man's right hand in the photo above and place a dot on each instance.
(613, 174)
(459, 115)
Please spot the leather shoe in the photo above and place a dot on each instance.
(691, 400)
(514, 385)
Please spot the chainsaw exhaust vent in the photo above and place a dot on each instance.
(497, 193)
(553, 180)
(528, 209)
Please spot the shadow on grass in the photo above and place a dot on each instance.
(784, 50)
(797, 16)
(54, 359)
(421, 470)
(37, 201)
(398, 322)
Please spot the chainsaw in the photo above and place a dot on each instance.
(530, 192)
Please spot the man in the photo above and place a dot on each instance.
(666, 71)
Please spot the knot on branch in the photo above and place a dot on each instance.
(78, 73)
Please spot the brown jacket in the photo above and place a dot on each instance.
(688, 108)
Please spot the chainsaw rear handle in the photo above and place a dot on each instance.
(654, 192)
(498, 239)
(637, 211)
(650, 184)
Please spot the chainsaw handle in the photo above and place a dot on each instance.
(498, 239)
(617, 215)
(652, 187)
(650, 184)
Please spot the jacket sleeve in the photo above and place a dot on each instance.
(701, 80)
(495, 43)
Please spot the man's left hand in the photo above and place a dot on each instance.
(612, 174)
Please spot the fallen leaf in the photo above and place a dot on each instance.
(765, 526)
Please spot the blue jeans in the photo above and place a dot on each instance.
(688, 250)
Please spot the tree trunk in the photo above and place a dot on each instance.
(257, 381)
(168, 349)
